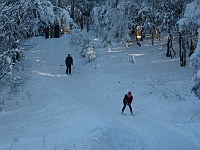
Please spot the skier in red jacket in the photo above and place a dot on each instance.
(128, 98)
(47, 32)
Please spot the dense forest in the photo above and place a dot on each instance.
(108, 19)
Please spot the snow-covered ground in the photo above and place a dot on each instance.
(82, 112)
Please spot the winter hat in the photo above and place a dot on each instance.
(129, 93)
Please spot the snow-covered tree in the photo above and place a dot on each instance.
(116, 19)
(19, 20)
(112, 20)
(191, 19)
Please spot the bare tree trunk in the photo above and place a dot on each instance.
(72, 9)
(152, 36)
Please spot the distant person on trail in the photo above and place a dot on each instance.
(170, 47)
(56, 29)
(68, 62)
(128, 98)
(47, 32)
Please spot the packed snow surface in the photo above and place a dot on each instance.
(54, 111)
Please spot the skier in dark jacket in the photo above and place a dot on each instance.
(128, 98)
(68, 62)
(56, 29)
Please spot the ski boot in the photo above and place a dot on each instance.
(131, 113)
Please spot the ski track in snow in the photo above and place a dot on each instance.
(66, 113)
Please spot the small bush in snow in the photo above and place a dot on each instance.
(88, 52)
(132, 59)
(81, 42)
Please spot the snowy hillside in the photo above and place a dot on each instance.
(82, 112)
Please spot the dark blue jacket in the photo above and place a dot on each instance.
(69, 61)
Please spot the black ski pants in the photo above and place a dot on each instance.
(125, 107)
(47, 35)
(68, 70)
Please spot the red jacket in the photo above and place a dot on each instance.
(127, 99)
(47, 29)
